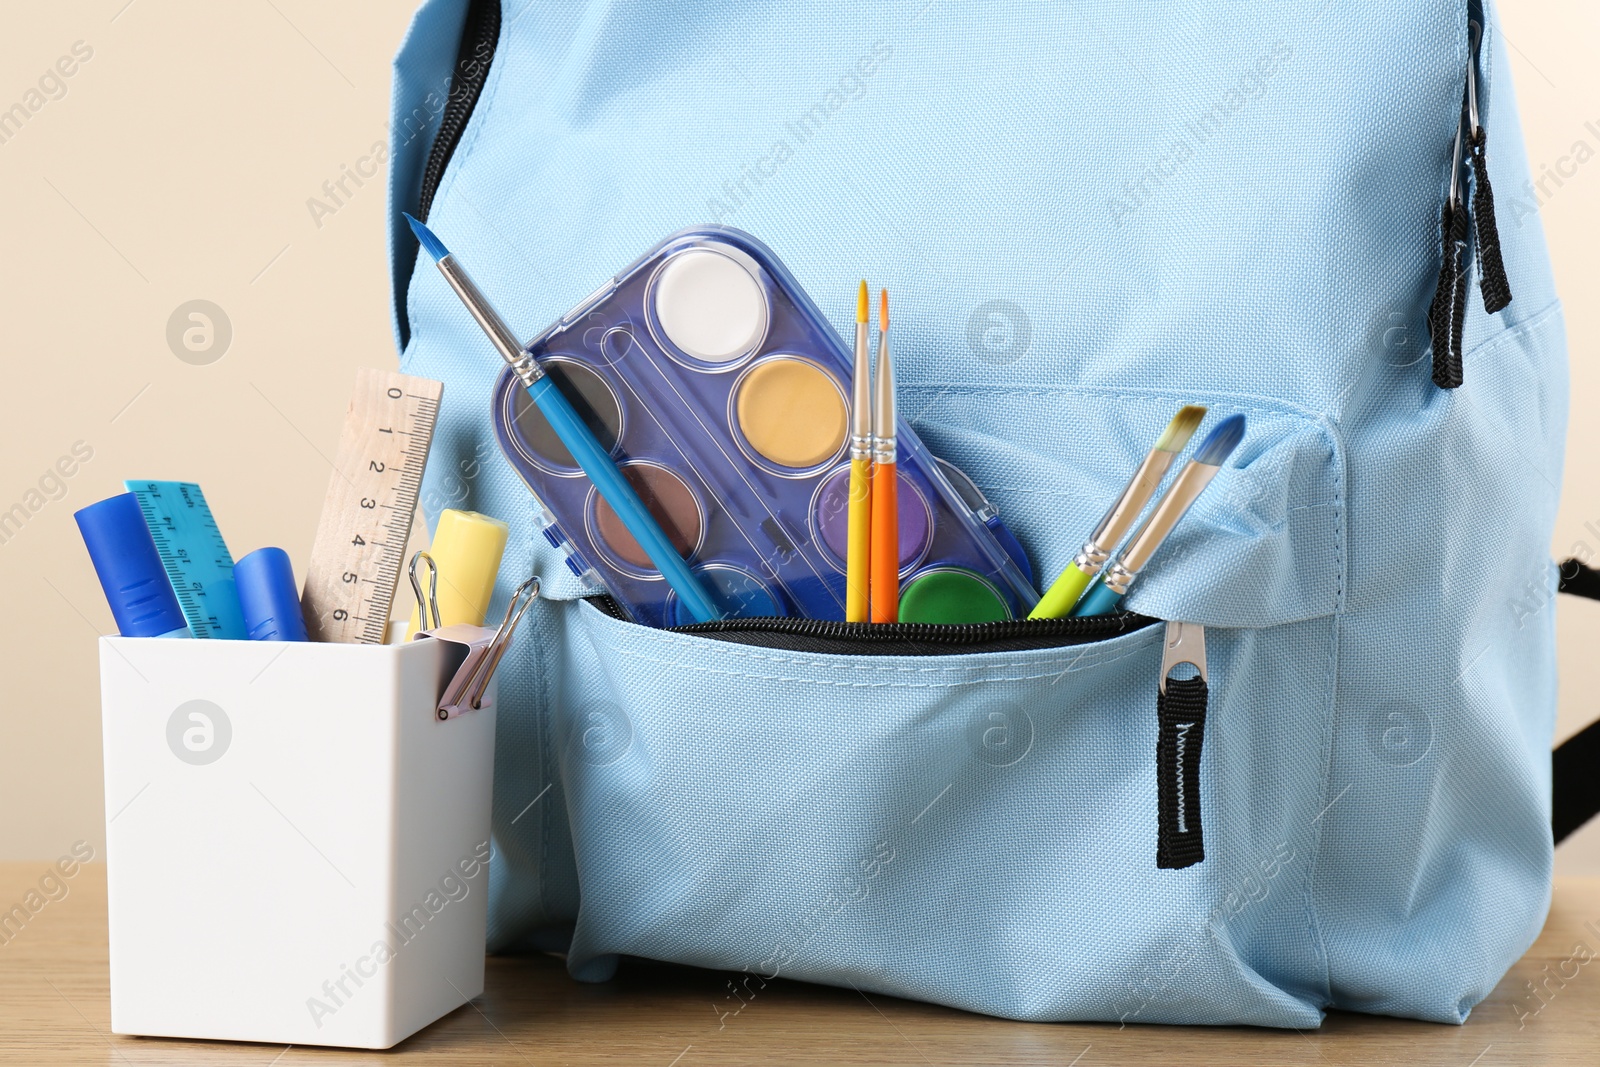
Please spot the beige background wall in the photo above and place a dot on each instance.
(175, 164)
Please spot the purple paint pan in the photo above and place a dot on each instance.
(721, 391)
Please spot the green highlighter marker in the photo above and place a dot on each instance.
(1059, 599)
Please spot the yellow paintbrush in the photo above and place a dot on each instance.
(858, 560)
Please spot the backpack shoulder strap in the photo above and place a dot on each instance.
(1575, 769)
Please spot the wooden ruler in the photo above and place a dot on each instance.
(366, 517)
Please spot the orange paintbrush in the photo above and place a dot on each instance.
(885, 489)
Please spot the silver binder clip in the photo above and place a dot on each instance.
(475, 680)
(1185, 643)
(483, 650)
(432, 603)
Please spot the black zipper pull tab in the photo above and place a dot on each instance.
(1491, 268)
(1448, 313)
(1180, 732)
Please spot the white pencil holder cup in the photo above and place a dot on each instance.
(297, 843)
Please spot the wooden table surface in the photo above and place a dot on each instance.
(54, 1008)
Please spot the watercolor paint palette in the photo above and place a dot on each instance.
(721, 392)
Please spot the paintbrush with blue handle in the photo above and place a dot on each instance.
(594, 460)
(1104, 596)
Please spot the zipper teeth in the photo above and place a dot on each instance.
(482, 26)
(930, 633)
(950, 634)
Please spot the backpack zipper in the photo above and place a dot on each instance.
(480, 35)
(1457, 223)
(904, 638)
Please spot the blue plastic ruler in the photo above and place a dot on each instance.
(195, 556)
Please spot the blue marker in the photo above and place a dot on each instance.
(1104, 596)
(130, 569)
(595, 461)
(269, 597)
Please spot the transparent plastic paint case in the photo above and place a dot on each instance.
(722, 393)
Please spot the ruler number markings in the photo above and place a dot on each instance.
(382, 475)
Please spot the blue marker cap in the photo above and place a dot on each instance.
(135, 583)
(268, 595)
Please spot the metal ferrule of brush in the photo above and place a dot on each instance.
(505, 342)
(884, 415)
(1091, 559)
(1185, 490)
(1117, 578)
(861, 446)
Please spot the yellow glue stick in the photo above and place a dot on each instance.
(466, 548)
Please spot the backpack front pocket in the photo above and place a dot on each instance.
(976, 829)
(977, 825)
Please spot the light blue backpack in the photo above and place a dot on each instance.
(1089, 215)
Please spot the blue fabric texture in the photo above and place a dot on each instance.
(1088, 215)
